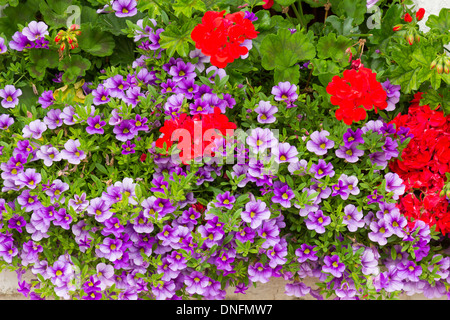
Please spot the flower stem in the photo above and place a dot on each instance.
(299, 13)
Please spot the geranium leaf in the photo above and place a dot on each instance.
(186, 7)
(177, 38)
(284, 49)
(96, 42)
(73, 67)
(440, 23)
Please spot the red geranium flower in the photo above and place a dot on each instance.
(222, 38)
(356, 92)
(424, 163)
(196, 134)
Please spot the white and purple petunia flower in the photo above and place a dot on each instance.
(266, 112)
(353, 218)
(261, 139)
(34, 129)
(72, 153)
(319, 143)
(35, 30)
(255, 213)
(3, 48)
(393, 94)
(285, 91)
(350, 154)
(10, 96)
(5, 121)
(317, 221)
(49, 154)
(124, 8)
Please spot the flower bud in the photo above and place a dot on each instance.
(433, 64)
(417, 38)
(446, 69)
(447, 61)
(439, 68)
(420, 14)
(397, 27)
(62, 46)
(410, 39)
(407, 18)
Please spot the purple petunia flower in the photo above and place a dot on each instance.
(353, 137)
(261, 139)
(306, 252)
(35, 30)
(353, 218)
(197, 53)
(297, 289)
(29, 178)
(285, 91)
(71, 153)
(5, 121)
(101, 95)
(3, 48)
(49, 154)
(282, 194)
(95, 125)
(225, 200)
(266, 112)
(333, 266)
(128, 148)
(396, 223)
(259, 273)
(34, 129)
(350, 154)
(374, 197)
(340, 189)
(379, 232)
(319, 143)
(284, 152)
(10, 96)
(182, 71)
(125, 130)
(317, 221)
(53, 119)
(19, 42)
(322, 169)
(124, 8)
(394, 184)
(393, 94)
(255, 213)
(46, 99)
(110, 249)
(196, 283)
(116, 86)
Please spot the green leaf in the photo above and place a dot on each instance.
(350, 9)
(177, 38)
(186, 7)
(96, 42)
(73, 67)
(440, 23)
(342, 26)
(40, 60)
(285, 3)
(54, 12)
(283, 50)
(331, 47)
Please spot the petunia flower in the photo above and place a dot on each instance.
(10, 96)
(128, 148)
(95, 125)
(34, 129)
(319, 143)
(3, 48)
(46, 99)
(124, 8)
(35, 30)
(71, 153)
(266, 112)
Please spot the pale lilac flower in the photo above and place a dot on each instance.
(379, 232)
(34, 129)
(10, 96)
(5, 121)
(29, 178)
(266, 112)
(261, 139)
(124, 8)
(409, 271)
(297, 289)
(319, 143)
(259, 273)
(35, 30)
(99, 208)
(396, 223)
(79, 203)
(53, 119)
(197, 53)
(71, 153)
(110, 249)
(285, 91)
(394, 184)
(350, 154)
(255, 213)
(393, 94)
(3, 48)
(284, 152)
(196, 283)
(353, 218)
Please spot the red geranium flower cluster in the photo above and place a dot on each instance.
(194, 136)
(424, 163)
(356, 92)
(222, 38)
